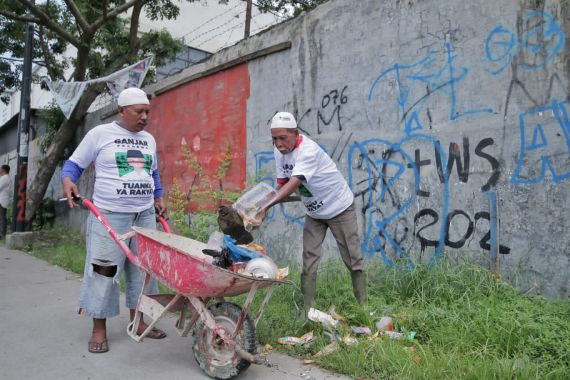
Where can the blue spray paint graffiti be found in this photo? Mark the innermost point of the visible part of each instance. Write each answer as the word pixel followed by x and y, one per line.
pixel 379 215
pixel 537 46
pixel 388 183
pixel 493 222
pixel 539 141
pixel 426 77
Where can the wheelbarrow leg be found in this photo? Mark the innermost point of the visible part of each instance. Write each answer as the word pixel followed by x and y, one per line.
pixel 181 326
pixel 150 307
pixel 245 309
pixel 263 304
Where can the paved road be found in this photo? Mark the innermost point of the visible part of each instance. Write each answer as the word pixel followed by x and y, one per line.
pixel 41 337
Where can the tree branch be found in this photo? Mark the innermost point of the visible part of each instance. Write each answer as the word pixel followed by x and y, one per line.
pixel 114 12
pixel 133 32
pixel 78 16
pixel 14 16
pixel 49 59
pixel 50 24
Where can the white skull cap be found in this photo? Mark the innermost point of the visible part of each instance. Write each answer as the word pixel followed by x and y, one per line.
pixel 132 95
pixel 283 120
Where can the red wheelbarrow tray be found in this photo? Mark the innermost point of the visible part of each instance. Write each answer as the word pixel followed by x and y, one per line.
pixel 179 263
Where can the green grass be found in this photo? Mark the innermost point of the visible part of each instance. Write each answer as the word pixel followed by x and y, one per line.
pixel 469 323
pixel 61 247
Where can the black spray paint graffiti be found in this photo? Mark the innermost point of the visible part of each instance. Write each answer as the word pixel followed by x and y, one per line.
pixel 462 167
pixel 424 215
pixel 334 101
pixel 389 181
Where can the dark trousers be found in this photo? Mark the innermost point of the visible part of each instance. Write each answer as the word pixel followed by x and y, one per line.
pixel 3 222
pixel 344 228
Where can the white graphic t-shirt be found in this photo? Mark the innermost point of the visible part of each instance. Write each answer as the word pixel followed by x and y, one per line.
pixel 124 162
pixel 324 191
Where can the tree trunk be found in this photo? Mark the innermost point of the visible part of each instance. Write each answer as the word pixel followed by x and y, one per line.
pixel 55 153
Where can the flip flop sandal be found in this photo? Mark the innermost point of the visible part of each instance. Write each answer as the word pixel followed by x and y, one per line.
pixel 156 334
pixel 102 344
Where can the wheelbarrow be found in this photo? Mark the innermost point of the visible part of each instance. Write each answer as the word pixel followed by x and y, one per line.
pixel 225 341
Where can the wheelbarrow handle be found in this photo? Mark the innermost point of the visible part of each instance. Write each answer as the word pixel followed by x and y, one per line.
pixel 163 222
pixel 121 243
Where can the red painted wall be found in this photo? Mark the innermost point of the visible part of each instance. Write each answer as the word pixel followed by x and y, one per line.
pixel 207 114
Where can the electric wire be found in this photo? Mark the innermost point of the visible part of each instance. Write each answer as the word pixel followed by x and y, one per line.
pixel 217 27
pixel 210 20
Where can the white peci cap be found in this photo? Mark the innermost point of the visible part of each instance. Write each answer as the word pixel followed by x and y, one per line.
pixel 132 95
pixel 283 120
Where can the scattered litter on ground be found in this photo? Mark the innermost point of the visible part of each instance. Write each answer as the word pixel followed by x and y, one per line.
pixel 297 341
pixel 385 324
pixel 307 376
pixel 326 319
pixel 361 330
pixel 398 335
pixel 332 336
pixel 349 340
pixel 337 316
pixel 328 349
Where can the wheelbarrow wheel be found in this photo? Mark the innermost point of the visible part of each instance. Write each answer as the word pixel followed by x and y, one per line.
pixel 215 358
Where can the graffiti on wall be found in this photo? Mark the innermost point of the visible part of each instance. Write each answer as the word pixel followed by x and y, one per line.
pixel 410 191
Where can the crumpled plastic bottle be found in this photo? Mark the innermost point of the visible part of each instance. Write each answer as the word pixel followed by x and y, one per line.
pixel 385 324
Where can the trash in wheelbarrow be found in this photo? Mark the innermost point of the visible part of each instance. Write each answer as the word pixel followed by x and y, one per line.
pixel 249 259
pixel 231 223
pixel 261 267
pixel 251 204
pixel 222 258
pixel 229 252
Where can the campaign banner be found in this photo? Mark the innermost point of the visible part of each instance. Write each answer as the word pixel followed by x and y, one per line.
pixel 131 76
pixel 67 94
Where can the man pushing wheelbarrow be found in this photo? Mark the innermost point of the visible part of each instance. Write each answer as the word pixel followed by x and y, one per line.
pixel 121 236
pixel 125 203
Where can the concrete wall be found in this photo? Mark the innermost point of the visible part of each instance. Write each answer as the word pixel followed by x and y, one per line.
pixel 448 119
pixel 204 119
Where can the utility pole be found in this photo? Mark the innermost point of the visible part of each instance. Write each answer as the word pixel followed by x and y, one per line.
pixel 247 18
pixel 20 184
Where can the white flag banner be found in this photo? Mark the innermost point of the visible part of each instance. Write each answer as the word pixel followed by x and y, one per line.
pixel 67 94
pixel 131 76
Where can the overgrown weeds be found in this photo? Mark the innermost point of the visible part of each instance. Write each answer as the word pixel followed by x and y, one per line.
pixel 469 323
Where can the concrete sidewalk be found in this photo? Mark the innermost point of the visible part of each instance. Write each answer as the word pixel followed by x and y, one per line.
pixel 43 338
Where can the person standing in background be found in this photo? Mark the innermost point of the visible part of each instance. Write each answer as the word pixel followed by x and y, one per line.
pixel 4 198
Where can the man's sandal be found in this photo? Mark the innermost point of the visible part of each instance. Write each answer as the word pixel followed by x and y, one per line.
pixel 156 334
pixel 98 346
